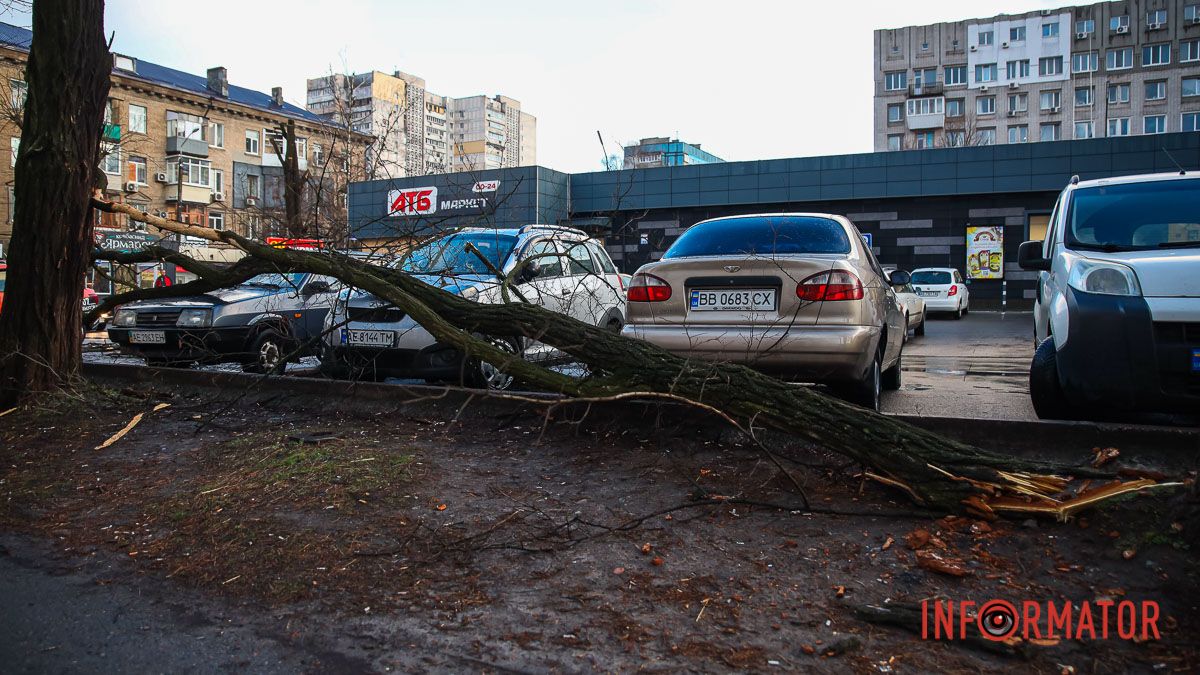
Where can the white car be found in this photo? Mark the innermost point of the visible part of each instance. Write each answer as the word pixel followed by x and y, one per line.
pixel 564 271
pixel 1117 311
pixel 943 290
pixel 912 304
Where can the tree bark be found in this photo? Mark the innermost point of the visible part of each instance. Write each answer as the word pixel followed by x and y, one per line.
pixel 56 171
pixel 293 183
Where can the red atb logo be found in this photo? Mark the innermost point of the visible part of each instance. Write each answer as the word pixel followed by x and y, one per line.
pixel 412 202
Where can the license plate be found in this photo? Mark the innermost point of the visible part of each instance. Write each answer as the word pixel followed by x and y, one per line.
pixel 743 299
pixel 370 338
pixel 1196 360
pixel 148 337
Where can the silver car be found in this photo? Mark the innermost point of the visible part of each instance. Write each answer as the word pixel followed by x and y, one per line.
pixel 794 294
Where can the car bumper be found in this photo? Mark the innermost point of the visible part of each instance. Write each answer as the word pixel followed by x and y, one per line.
pixel 200 344
pixel 950 304
pixel 1117 356
pixel 808 353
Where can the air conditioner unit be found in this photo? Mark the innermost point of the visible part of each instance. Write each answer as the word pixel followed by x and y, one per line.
pixel 251 201
pixel 983 88
pixel 974 48
pixel 1121 30
pixel 130 186
pixel 1013 85
pixel 1004 45
pixel 1047 12
pixel 162 214
pixel 1154 26
pixel 161 177
pixel 1012 113
pixel 1195 20
pixel 1082 36
pixel 218 196
pixel 1055 110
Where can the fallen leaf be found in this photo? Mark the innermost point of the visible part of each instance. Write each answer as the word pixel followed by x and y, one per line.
pixel 935 562
pixel 618 570
pixel 1128 553
pixel 916 539
pixel 888 544
pixel 841 591
pixel 808 649
pixel 658 561
pixel 1100 457
pixel 441 507
pixel 646 548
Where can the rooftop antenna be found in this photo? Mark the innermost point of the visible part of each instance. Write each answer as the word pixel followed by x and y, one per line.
pixel 1177 164
pixel 604 152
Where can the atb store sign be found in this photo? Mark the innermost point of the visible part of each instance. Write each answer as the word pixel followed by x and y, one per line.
pixel 420 201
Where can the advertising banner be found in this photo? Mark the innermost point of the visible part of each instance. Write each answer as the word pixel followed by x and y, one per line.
pixel 985 252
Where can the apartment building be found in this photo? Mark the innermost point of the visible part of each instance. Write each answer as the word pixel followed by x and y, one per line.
pixel 663 151
pixel 1091 71
pixel 419 132
pixel 191 147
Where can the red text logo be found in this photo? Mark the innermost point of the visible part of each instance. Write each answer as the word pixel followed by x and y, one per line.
pixel 412 202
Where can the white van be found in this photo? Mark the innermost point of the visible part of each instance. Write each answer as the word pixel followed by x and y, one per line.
pixel 1117 313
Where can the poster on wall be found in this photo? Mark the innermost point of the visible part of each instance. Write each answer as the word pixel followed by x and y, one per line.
pixel 985 252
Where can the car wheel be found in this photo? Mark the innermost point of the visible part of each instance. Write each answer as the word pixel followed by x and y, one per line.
pixel 269 352
pixel 866 391
pixel 484 375
pixel 1045 389
pixel 905 338
pixel 614 325
pixel 892 378
pixel 959 313
pixel 920 329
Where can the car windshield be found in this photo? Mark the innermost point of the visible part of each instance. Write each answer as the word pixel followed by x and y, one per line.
pixel 1135 216
pixel 276 280
pixel 763 235
pixel 449 255
pixel 930 277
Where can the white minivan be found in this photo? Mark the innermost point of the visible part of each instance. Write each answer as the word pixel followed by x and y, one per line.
pixel 1117 311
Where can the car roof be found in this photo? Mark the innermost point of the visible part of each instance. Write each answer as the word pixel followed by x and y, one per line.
pixel 799 214
pixel 529 230
pixel 935 269
pixel 1137 178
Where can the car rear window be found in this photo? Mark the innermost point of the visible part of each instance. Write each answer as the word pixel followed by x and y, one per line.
pixel 765 236
pixel 930 277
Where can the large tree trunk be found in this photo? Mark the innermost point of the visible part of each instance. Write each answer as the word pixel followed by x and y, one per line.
pixel 293 184
pixel 56 171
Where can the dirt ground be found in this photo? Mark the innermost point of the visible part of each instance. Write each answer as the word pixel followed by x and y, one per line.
pixel 437 536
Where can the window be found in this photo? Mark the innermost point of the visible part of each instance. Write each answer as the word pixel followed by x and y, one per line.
pixel 924 77
pixel 1154 124
pixel 1118 93
pixel 985 72
pixel 1189 50
pixel 1190 121
pixel 1118 126
pixel 112 159
pixel 184 125
pixel 1156 90
pixel 1085 62
pixel 925 106
pixel 252 185
pixel 987 136
pixel 251 142
pixel 136 170
pixel 1050 30
pixel 1119 59
pixel 1051 131
pixel 924 140
pixel 955 75
pixel 1016 34
pixel 895 142
pixel 216 134
pixel 1017 69
pixel 14 144
pixel 1051 100
pixel 1084 96
pixel 1085 130
pixel 191 170
pixel 956 139
pixel 986 38
pixel 1191 86
pixel 137 119
pixel 985 105
pixel 1157 18
pixel 954 107
pixel 893 81
pixel 1119 22
pixel 1191 13
pixel 218 180
pixel 1050 65
pixel 1085 26
pixel 318 154
pixel 19 93
pixel 1018 134
pixel 1156 55
pixel 216 220
pixel 1018 102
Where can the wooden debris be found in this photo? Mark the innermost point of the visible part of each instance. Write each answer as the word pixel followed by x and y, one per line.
pixel 129 427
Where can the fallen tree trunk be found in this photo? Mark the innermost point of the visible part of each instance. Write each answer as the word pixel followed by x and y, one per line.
pixel 933 470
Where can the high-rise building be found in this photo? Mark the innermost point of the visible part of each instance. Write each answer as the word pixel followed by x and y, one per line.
pixel 663 151
pixel 418 132
pixel 1090 71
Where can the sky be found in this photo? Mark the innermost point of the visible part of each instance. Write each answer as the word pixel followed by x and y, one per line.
pixel 748 80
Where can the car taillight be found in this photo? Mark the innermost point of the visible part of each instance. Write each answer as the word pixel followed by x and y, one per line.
pixel 648 288
pixel 830 286
pixel 953 290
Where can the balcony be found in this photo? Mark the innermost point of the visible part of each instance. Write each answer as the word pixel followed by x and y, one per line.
pixel 190 145
pixel 931 89
pixel 112 132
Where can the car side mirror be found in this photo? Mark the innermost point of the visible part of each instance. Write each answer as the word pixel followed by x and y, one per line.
pixel 1029 257
pixel 899 278
pixel 529 272
pixel 314 287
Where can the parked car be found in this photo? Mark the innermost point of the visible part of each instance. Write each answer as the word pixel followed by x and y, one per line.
pixel 798 295
pixel 943 290
pixel 911 302
pixel 90 297
pixel 563 271
pixel 1117 311
pixel 260 324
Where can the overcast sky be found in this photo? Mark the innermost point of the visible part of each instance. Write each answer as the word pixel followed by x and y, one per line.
pixel 748 79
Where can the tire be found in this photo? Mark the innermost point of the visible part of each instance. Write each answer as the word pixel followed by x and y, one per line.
pixel 615 325
pixel 958 314
pixel 866 391
pixel 919 331
pixel 905 338
pixel 483 375
pixel 893 378
pixel 268 352
pixel 1045 387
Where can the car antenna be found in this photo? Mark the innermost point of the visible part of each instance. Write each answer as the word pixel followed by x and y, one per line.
pixel 1177 164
